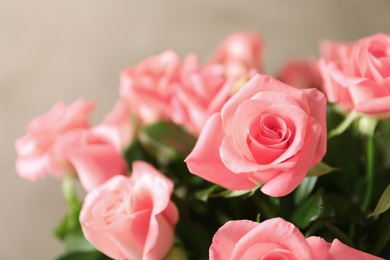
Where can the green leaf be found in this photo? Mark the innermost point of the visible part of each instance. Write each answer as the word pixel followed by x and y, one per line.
pixel 320 169
pixel 77 247
pixel 215 191
pixel 235 193
pixel 314 208
pixel 204 195
pixel 344 124
pixel 383 204
pixel 166 141
pixel 304 189
pixel 136 152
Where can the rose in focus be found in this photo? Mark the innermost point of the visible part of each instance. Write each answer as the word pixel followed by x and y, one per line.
pixel 268 133
pixel 275 239
pixel 357 75
pixel 131 217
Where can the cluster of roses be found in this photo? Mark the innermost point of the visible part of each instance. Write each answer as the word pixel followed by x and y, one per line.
pixel 252 131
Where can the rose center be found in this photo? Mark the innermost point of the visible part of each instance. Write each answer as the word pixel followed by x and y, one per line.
pixel 115 206
pixel 269 135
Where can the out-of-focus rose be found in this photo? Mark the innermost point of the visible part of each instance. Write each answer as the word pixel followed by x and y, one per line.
pixel 301 74
pixel 323 250
pixel 117 126
pixel 357 75
pixel 38 155
pixel 147 87
pixel 201 92
pixel 93 157
pixel 240 53
pixel 267 133
pixel 131 217
pixel 270 239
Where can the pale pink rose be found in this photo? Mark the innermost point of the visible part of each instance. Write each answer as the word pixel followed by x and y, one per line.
pixel 240 53
pixel 94 158
pixel 38 155
pixel 118 126
pixel 270 239
pixel 147 87
pixel 268 133
pixel 301 74
pixel 201 92
pixel 131 217
pixel 357 75
pixel 336 250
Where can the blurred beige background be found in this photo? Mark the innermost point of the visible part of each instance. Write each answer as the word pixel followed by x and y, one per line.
pixel 62 50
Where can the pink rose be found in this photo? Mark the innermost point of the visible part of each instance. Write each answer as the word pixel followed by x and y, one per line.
pixel 301 74
pixel 323 250
pixel 267 133
pixel 131 217
pixel 148 86
pixel 240 53
pixel 93 157
pixel 276 239
pixel 201 92
pixel 117 126
pixel 38 153
pixel 357 75
pixel 270 239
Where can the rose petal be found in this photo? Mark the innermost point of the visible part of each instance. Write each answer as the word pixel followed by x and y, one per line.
pixel 275 231
pixel 205 161
pixel 319 247
pixel 227 236
pixel 258 83
pixel 287 181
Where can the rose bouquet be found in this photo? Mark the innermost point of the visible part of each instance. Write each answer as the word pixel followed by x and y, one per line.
pixel 216 160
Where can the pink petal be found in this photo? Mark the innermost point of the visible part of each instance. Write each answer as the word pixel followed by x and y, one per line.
pixel 227 236
pixel 319 248
pixel 205 161
pixel 317 104
pixel 376 106
pixel 288 180
pixel 258 83
pixel 234 160
pixel 275 231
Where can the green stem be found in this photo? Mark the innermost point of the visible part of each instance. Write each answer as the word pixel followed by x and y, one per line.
pixel 370 167
pixel 343 125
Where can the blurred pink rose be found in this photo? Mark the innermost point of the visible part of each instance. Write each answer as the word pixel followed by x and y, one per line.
pixel 131 217
pixel 323 250
pixel 147 87
pixel 240 53
pixel 117 126
pixel 93 157
pixel 38 154
pixel 201 92
pixel 301 74
pixel 270 239
pixel 357 75
pixel 267 133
